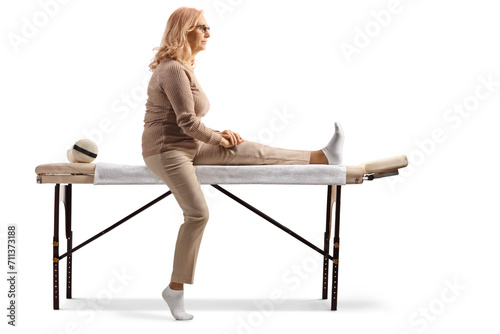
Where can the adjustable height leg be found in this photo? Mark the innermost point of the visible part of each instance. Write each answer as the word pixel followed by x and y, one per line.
pixel 55 248
pixel 336 246
pixel 69 239
pixel 69 267
pixel 329 201
pixel 61 194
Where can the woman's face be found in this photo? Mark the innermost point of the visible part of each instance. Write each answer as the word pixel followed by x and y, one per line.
pixel 197 38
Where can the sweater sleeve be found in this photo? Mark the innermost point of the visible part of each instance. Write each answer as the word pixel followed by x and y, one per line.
pixel 177 87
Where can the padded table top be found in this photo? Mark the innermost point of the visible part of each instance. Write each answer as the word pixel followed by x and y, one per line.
pixel 114 174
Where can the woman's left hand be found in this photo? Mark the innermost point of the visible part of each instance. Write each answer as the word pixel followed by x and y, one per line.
pixel 233 137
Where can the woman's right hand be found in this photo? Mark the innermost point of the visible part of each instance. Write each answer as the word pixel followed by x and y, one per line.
pixel 230 139
pixel 225 143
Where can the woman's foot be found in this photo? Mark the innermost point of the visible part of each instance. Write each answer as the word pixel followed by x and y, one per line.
pixel 175 301
pixel 333 151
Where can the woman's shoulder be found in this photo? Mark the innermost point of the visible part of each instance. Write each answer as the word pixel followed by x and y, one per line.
pixel 171 65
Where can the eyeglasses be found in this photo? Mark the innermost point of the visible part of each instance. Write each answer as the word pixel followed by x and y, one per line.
pixel 204 28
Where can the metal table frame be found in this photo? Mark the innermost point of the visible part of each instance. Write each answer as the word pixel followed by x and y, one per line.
pixel 63 193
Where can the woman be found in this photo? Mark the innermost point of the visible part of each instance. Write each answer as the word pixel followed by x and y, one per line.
pixel 175 139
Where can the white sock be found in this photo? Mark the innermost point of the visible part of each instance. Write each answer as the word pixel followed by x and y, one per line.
pixel 333 151
pixel 175 301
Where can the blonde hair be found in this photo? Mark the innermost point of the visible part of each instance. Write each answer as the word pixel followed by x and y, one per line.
pixel 174 43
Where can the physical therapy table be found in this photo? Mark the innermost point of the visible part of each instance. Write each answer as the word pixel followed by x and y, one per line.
pixel 64 175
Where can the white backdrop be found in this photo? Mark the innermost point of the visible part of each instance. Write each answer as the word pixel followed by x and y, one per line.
pixel 418 77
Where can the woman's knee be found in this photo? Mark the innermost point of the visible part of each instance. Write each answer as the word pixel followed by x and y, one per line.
pixel 204 214
pixel 199 214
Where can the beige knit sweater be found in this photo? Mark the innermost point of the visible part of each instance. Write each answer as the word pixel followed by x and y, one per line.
pixel 176 103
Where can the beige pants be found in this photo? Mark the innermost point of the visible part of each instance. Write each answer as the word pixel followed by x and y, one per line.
pixel 175 168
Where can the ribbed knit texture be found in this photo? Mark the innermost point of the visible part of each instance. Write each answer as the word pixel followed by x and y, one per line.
pixel 176 103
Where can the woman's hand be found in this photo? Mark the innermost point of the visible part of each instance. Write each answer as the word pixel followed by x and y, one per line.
pixel 230 139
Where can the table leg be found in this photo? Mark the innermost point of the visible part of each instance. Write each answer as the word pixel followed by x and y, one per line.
pixel 336 245
pixel 55 250
pixel 69 238
pixel 329 201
